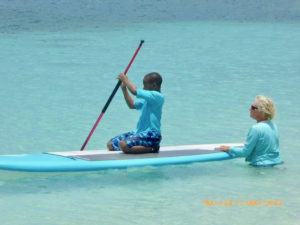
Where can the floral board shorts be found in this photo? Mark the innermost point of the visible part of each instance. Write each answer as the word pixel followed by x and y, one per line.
pixel 147 139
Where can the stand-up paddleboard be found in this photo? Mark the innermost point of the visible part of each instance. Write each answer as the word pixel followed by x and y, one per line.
pixel 103 159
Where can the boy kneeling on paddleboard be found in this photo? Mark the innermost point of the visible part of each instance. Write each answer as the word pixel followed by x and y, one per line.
pixel 147 136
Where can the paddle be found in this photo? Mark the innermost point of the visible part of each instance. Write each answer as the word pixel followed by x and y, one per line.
pixel 110 98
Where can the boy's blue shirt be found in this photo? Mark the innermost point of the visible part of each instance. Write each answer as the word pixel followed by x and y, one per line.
pixel 150 104
pixel 262 145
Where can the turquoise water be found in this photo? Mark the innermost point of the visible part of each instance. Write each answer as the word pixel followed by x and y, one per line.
pixel 55 77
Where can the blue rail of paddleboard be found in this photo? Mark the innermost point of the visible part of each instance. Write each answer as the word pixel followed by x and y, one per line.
pixel 54 163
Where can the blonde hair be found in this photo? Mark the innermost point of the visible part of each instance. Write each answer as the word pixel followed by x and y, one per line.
pixel 266 106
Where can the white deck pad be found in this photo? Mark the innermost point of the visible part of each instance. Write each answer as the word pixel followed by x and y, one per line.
pixel 170 151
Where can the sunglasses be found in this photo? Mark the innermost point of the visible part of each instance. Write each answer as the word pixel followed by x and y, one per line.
pixel 253 107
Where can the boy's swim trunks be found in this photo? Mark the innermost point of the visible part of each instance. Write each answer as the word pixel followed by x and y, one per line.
pixel 147 139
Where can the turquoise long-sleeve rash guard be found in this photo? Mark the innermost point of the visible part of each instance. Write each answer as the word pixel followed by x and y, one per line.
pixel 150 104
pixel 262 145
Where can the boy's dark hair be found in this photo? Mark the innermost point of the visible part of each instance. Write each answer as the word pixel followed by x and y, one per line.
pixel 154 77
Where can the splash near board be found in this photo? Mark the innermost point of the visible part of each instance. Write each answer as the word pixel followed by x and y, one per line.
pixel 103 159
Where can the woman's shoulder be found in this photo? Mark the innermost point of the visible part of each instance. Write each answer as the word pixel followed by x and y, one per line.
pixel 267 124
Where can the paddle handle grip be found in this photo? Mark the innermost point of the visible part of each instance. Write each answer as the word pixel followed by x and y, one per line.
pixel 119 82
pixel 110 98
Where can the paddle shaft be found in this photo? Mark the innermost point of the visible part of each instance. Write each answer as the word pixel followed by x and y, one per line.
pixel 110 98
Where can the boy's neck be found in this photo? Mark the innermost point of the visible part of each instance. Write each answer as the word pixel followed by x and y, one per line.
pixel 155 90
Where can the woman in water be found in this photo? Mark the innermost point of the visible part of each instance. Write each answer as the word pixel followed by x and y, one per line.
pixel 262 144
